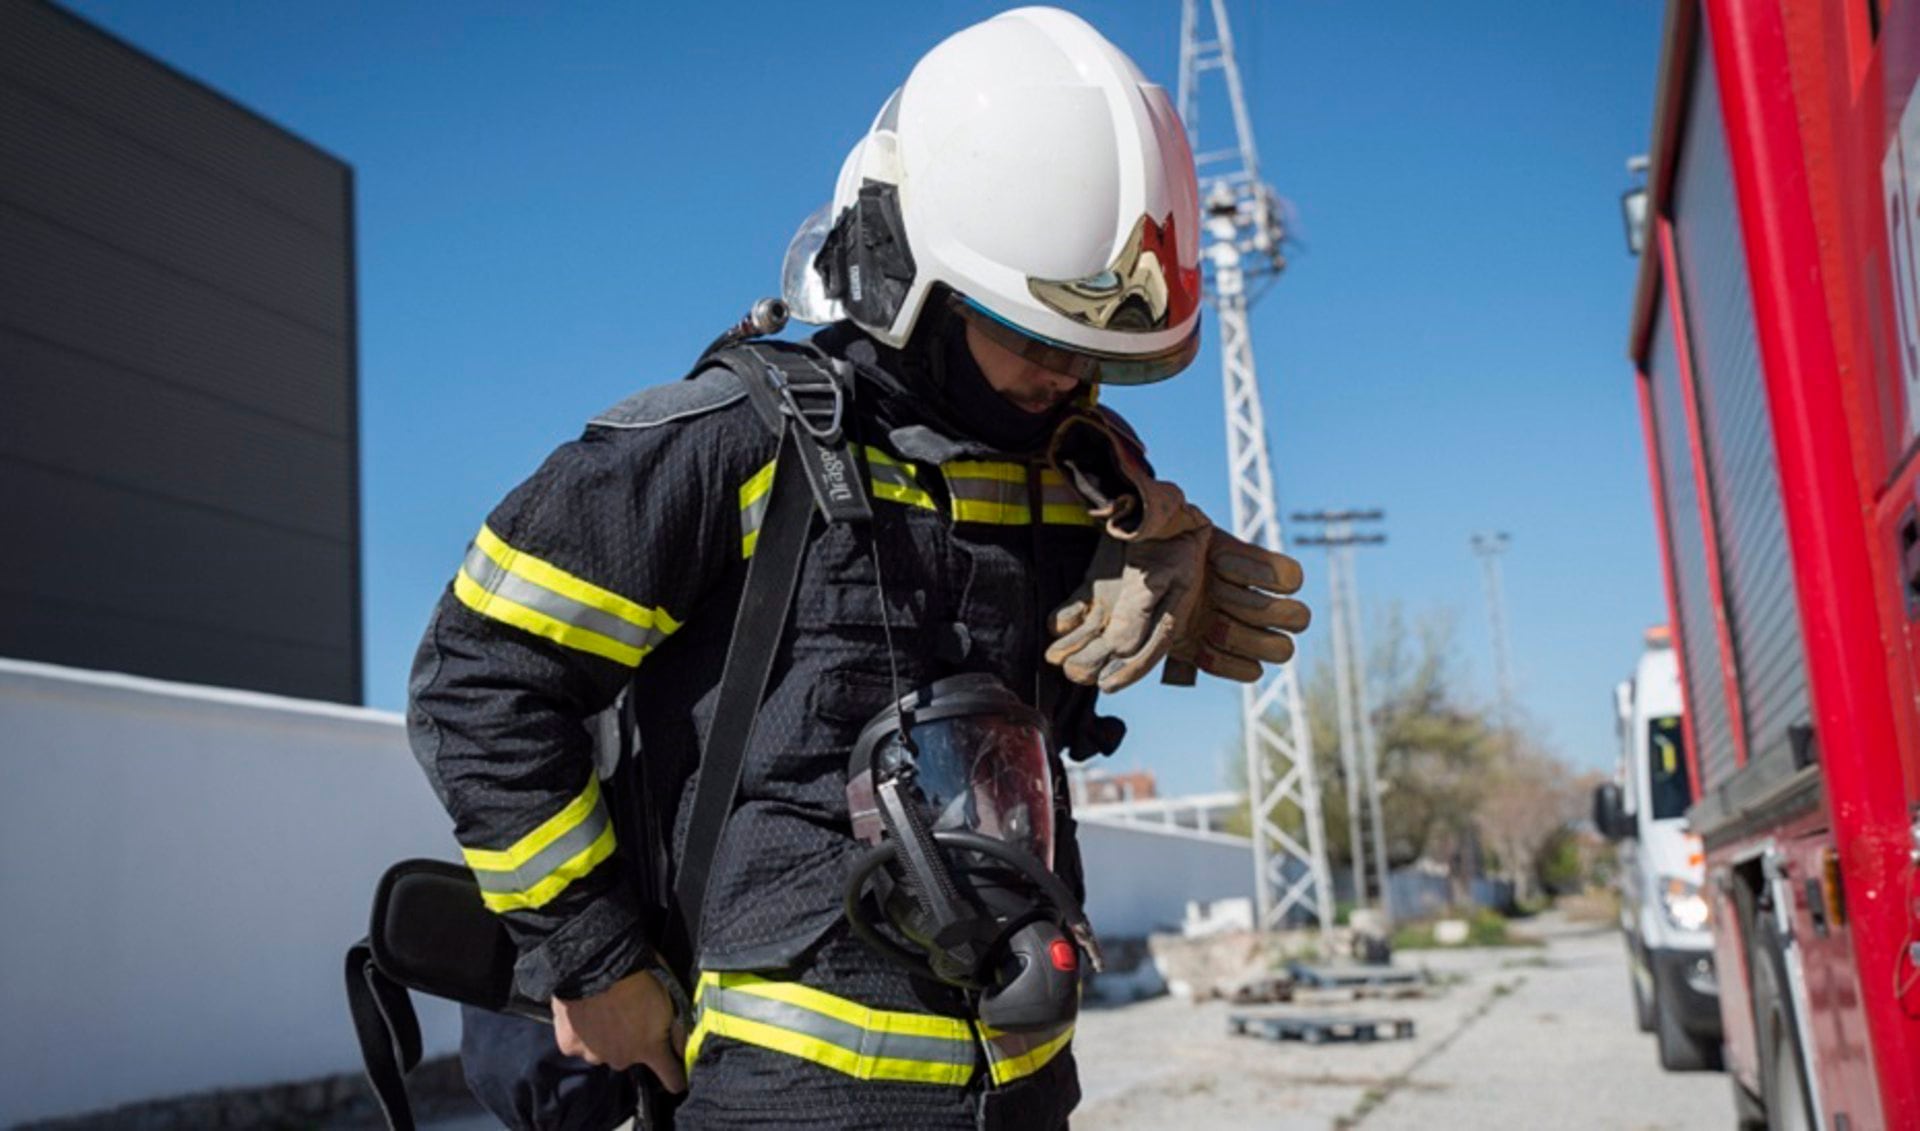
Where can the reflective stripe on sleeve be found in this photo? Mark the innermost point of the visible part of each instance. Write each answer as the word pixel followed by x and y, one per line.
pixel 800 1021
pixel 754 497
pixel 539 866
pixel 1011 1056
pixel 508 585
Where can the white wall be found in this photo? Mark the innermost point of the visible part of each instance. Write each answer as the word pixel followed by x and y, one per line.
pixel 1141 875
pixel 181 871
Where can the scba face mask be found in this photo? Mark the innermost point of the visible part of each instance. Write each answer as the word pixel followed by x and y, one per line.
pixel 952 787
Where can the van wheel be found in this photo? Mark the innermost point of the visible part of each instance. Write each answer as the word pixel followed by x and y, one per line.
pixel 1783 1084
pixel 1681 1051
pixel 1643 1004
pixel 1748 1112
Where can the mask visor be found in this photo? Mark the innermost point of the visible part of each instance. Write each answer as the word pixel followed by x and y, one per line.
pixel 985 774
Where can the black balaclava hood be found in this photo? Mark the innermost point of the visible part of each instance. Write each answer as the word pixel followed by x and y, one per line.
pixel 935 381
pixel 987 416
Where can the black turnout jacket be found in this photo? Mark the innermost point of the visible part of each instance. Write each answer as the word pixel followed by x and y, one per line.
pixel 618 566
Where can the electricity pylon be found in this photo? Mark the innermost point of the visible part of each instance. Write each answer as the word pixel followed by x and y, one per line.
pixel 1242 240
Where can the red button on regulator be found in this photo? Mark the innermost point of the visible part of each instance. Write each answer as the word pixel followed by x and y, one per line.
pixel 1062 953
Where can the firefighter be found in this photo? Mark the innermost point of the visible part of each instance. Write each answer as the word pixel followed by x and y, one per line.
pixel 1018 226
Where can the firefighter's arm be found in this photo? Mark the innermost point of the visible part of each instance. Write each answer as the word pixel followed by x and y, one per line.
pixel 1165 583
pixel 573 582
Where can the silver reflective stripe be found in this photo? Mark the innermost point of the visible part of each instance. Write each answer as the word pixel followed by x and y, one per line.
pixel 487 574
pixel 988 490
pixel 980 499
pixel 543 863
pixel 888 473
pixel 753 514
pixel 866 1042
pixel 1061 493
pixel 1004 1047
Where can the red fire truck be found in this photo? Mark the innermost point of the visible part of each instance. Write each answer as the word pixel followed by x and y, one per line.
pixel 1776 335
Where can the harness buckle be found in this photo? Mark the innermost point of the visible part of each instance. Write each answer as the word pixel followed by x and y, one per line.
pixel 819 408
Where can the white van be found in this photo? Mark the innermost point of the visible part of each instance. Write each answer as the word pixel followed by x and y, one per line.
pixel 1663 911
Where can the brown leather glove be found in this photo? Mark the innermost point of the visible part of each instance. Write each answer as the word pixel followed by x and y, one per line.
pixel 1139 597
pixel 1242 621
pixel 1165 583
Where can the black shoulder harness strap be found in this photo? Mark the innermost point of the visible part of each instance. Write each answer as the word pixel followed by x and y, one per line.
pixel 804 402
pixel 429 930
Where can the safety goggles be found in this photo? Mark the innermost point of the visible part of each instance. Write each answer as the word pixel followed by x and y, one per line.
pixel 1077 362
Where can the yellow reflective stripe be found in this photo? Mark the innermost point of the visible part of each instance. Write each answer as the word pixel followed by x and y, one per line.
pixel 1027 1063
pixel 542 893
pixel 1066 514
pixel 840 1009
pixel 495 607
pixel 694 1040
pixel 1072 511
pixel 884 474
pixel 875 455
pixel 824 1053
pixel 909 496
pixel 990 510
pixel 991 491
pixel 753 507
pixel 552 577
pixel 548 831
pixel 759 484
pixel 985 469
pixel 801 1021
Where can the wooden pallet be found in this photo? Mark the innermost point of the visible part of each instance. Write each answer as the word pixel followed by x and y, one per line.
pixel 1353 977
pixel 1320 1030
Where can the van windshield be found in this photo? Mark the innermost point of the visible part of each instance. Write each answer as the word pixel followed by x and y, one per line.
pixel 1667 785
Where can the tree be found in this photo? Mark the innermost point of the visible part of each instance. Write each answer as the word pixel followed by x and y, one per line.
pixel 1527 801
pixel 1451 781
pixel 1433 746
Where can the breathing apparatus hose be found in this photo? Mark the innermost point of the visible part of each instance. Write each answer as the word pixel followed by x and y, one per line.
pixel 768 316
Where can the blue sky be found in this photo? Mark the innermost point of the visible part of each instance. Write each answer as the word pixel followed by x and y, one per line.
pixel 560 203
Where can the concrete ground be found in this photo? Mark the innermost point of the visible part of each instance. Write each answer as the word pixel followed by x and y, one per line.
pixel 1521 1037
pixel 1517 1037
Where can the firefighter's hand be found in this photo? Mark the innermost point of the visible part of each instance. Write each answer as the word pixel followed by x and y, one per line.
pixel 1139 598
pixel 1243 621
pixel 630 1022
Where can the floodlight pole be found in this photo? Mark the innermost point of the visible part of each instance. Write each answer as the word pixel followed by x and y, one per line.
pixel 1488 547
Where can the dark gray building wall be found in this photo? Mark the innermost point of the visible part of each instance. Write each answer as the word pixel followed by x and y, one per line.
pixel 179 452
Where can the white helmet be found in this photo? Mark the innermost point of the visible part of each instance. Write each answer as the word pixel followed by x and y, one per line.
pixel 1028 175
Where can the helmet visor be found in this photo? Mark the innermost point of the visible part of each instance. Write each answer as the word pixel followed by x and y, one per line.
pixel 985 774
pixel 801 286
pixel 1074 361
